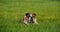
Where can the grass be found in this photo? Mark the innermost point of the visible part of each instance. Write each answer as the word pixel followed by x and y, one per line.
pixel 12 11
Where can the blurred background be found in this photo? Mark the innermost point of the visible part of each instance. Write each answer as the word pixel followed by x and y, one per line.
pixel 12 12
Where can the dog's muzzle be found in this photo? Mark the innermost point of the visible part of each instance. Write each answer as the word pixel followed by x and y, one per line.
pixel 31 20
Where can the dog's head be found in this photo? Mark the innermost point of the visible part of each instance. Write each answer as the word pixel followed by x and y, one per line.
pixel 31 16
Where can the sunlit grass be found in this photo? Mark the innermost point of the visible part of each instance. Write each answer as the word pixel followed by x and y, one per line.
pixel 12 12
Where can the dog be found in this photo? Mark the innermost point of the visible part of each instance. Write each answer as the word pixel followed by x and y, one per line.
pixel 30 18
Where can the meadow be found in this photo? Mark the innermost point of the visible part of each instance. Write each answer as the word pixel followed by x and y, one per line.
pixel 12 12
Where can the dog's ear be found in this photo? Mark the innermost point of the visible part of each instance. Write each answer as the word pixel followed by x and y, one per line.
pixel 27 14
pixel 34 15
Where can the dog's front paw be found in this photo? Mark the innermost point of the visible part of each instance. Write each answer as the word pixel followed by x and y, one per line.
pixel 35 23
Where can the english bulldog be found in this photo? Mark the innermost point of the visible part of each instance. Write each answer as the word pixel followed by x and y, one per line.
pixel 30 18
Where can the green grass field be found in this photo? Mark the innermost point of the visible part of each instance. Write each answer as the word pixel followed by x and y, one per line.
pixel 12 11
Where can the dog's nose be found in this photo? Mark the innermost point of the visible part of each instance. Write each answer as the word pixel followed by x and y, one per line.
pixel 31 19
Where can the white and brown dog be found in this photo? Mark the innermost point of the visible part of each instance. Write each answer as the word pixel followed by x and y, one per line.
pixel 30 18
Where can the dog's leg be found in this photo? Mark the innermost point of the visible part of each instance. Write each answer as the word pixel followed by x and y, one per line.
pixel 25 20
pixel 35 21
